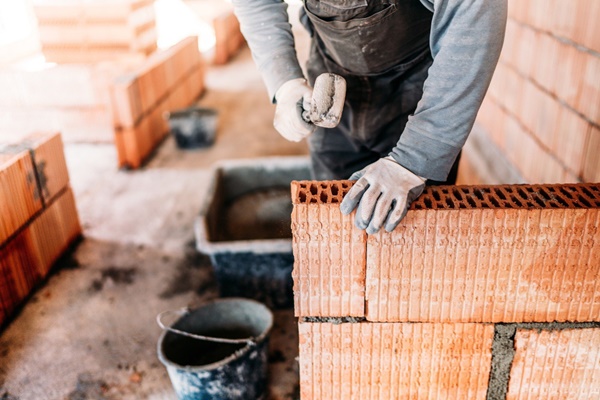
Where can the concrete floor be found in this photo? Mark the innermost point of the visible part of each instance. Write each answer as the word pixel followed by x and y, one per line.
pixel 89 331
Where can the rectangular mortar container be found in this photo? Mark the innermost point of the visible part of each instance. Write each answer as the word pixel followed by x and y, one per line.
pixel 245 227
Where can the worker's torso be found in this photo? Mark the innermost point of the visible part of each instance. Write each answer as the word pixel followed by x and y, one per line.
pixel 367 37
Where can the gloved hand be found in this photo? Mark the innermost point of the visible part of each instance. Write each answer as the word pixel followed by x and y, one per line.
pixel 383 194
pixel 293 98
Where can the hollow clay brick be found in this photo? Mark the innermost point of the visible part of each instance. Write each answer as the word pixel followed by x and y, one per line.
pixel 560 364
pixel 55 229
pixel 329 253
pixel 27 258
pixel 523 253
pixel 19 193
pixel 591 166
pixel 20 267
pixel 512 253
pixel 394 361
pixel 48 154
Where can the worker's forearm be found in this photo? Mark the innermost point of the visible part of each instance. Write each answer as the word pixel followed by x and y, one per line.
pixel 266 27
pixel 466 40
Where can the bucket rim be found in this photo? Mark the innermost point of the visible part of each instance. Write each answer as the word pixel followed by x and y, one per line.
pixel 237 354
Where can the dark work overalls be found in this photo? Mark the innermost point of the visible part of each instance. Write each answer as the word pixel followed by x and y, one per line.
pixel 381 48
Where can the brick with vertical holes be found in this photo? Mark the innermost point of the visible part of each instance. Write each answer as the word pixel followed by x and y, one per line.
pixel 394 361
pixel 20 197
pixel 523 253
pixel 559 364
pixel 329 252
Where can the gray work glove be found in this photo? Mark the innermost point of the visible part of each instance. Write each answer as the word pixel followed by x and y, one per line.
pixel 293 98
pixel 383 194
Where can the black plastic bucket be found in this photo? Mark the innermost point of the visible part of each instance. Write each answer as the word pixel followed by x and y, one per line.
pixel 218 351
pixel 193 127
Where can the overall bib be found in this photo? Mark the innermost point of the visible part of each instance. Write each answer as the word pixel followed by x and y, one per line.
pixel 381 48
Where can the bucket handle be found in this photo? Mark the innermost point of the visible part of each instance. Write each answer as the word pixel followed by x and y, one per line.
pixel 183 311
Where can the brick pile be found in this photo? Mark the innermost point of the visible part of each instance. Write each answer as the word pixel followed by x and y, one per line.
pixel 543 106
pixel 166 81
pixel 75 31
pixel 424 311
pixel 38 218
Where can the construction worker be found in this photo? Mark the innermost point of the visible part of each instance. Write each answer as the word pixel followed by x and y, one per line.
pixel 416 72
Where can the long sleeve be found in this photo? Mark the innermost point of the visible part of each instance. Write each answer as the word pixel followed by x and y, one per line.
pixel 466 40
pixel 266 27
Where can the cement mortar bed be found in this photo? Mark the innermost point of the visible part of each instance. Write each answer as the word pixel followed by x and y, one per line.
pixel 244 226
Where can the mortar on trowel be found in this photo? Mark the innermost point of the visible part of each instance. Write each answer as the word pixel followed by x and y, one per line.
pixel 327 102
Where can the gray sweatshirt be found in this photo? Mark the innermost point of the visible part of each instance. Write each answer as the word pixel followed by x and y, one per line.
pixel 466 40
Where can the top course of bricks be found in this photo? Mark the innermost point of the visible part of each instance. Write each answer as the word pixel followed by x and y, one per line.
pixel 563 196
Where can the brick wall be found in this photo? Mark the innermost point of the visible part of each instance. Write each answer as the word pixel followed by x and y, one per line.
pixel 480 292
pixel 543 106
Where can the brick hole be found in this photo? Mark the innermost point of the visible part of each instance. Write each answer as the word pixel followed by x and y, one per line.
pixel 561 201
pixel 303 186
pixel 545 195
pixel 516 201
pixel 334 190
pixel 540 201
pixel 345 185
pixel 499 193
pixel 478 193
pixel 494 201
pixel 566 192
pixel 587 192
pixel 584 201
pixel 522 193
pixel 471 202
pixel 428 203
pixel 450 203
pixel 302 196
pixel 418 206
pixel 324 198
pixel 313 200
pixel 314 190
pixel 436 195
pixel 457 194
pixel 445 190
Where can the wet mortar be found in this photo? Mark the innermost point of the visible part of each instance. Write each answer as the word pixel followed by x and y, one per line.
pixel 260 214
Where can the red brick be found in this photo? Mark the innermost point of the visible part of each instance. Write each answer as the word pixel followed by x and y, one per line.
pixel 27 258
pixel 570 140
pixel 545 68
pixel 560 364
pixel 569 71
pixel 591 164
pixel 19 193
pixel 329 253
pixel 55 229
pixel 394 361
pixel 126 101
pixel 48 154
pixel 20 267
pixel 589 98
pixel 534 261
pixel 592 34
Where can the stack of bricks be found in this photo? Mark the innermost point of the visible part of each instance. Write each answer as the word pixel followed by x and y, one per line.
pixel 168 80
pixel 38 218
pixel 543 106
pixel 89 31
pixel 481 292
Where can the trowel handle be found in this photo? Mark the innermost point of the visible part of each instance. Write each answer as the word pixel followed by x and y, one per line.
pixel 180 313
